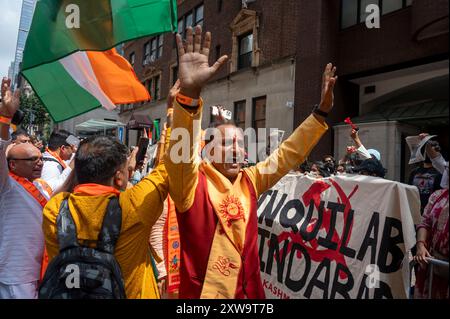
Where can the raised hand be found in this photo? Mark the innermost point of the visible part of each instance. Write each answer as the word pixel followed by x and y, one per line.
pixel 10 102
pixel 328 81
pixel 193 66
pixel 355 136
pixel 132 161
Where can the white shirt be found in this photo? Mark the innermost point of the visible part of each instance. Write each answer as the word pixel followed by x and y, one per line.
pixel 364 152
pixel 21 235
pixel 157 241
pixel 53 173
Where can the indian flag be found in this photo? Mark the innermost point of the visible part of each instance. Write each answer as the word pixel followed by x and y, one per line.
pixel 69 57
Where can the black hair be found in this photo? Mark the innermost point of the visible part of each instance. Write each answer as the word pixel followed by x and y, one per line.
pixel 58 139
pixel 355 159
pixel 98 158
pixel 372 166
pixel 305 167
pixel 18 132
pixel 323 171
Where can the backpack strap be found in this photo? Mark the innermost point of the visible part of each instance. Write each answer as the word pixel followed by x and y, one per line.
pixel 112 224
pixel 67 230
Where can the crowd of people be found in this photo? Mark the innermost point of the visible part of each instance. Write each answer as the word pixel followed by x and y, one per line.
pixel 90 204
pixel 357 160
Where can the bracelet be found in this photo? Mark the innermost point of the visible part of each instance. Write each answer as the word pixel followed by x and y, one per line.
pixel 187 101
pixel 318 111
pixel 5 120
pixel 423 242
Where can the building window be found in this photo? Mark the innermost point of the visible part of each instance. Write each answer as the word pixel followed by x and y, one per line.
pixel 160 45
pixel 146 58
pixel 153 50
pixel 354 11
pixel 181 27
pixel 245 51
pixel 362 8
pixel 153 87
pixel 190 19
pixel 132 58
pixel 348 13
pixel 199 15
pixel 150 87
pixel 259 113
pixel 239 114
pixel 156 51
pixel 391 6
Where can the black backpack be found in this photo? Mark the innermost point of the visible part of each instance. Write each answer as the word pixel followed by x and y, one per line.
pixel 80 272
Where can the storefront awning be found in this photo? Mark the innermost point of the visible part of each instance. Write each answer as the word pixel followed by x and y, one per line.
pixel 98 125
pixel 421 113
pixel 138 121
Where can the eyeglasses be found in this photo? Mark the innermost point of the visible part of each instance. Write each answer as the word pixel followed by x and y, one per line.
pixel 33 159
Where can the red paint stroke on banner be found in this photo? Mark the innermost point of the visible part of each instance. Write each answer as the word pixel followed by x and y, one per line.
pixel 314 193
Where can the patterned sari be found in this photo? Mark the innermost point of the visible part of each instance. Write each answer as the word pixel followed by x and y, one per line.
pixel 435 221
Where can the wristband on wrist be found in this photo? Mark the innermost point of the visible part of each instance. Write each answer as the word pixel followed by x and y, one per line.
pixel 423 242
pixel 187 101
pixel 318 111
pixel 5 120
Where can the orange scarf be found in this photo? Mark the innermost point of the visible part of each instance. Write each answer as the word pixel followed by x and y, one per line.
pixel 172 250
pixel 30 188
pixel 63 164
pixel 92 189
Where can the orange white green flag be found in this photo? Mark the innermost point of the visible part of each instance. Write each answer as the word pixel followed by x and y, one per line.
pixel 70 58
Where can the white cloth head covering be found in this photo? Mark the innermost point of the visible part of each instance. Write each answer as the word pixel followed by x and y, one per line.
pixel 375 153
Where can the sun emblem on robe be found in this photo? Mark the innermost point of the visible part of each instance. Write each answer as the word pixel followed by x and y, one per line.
pixel 231 209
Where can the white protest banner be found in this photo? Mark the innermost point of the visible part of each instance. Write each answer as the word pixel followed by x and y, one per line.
pixel 345 236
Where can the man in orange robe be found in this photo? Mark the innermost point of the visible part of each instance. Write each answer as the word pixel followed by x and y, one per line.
pixel 216 199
